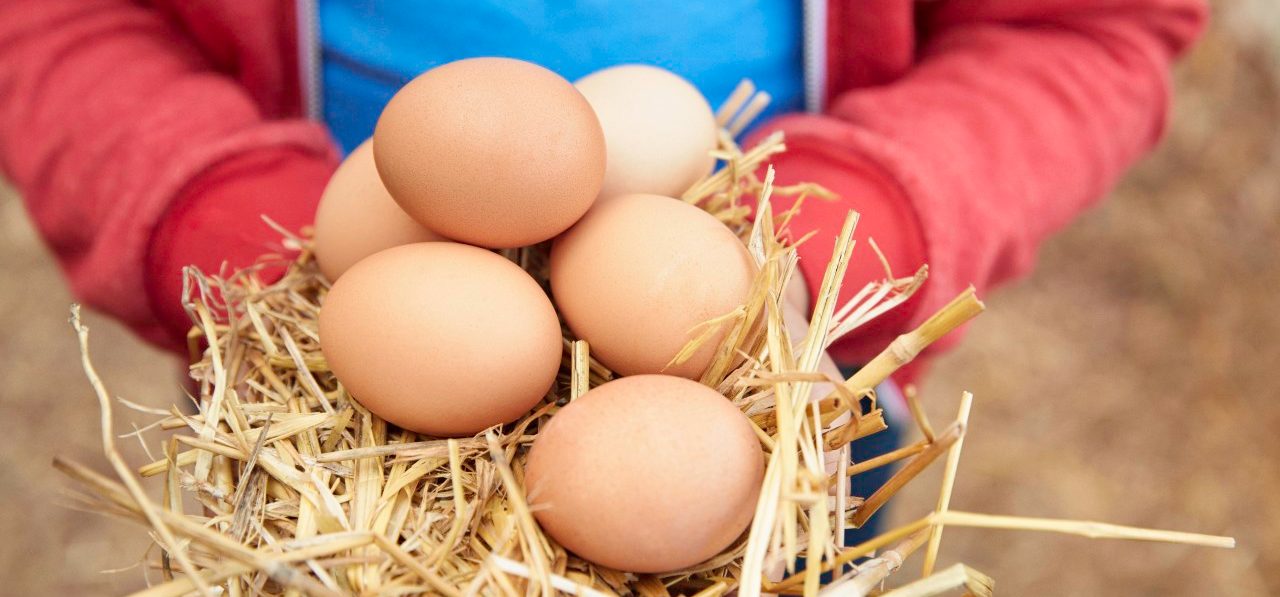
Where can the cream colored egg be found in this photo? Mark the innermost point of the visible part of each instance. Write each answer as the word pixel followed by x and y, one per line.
pixel 658 129
pixel 638 273
pixel 357 217
pixel 649 473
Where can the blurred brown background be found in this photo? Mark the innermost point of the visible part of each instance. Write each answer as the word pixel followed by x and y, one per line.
pixel 1135 378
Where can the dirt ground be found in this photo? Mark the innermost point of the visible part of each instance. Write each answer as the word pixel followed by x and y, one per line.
pixel 1135 378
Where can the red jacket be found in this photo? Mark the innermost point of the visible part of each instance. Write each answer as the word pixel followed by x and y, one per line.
pixel 147 136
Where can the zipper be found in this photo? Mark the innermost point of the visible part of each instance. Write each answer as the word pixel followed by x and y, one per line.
pixel 306 13
pixel 815 54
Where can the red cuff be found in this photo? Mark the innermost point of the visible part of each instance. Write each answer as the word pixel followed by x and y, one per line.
pixel 885 215
pixel 217 219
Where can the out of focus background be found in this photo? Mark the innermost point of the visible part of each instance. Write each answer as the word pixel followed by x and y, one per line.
pixel 1135 378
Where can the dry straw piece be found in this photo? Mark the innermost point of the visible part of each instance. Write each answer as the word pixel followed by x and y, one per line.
pixel 280 484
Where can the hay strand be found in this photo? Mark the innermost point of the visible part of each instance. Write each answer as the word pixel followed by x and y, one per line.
pixel 948 483
pixel 945 581
pixel 136 493
pixel 1081 528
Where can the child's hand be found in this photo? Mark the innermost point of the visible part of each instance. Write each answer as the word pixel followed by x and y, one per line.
pixel 218 219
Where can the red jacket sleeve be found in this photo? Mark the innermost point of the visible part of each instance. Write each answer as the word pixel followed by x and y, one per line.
pixel 1017 116
pixel 108 114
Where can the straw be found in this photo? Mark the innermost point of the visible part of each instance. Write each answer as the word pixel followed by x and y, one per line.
pixel 280 483
pixel 945 581
pixel 948 483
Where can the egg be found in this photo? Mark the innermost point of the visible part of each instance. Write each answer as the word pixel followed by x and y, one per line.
pixel 491 151
pixel 650 473
pixel 639 272
pixel 357 217
pixel 658 129
pixel 441 338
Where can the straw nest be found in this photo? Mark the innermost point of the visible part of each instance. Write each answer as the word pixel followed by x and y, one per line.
pixel 280 483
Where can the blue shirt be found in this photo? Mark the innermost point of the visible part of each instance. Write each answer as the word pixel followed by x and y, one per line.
pixel 370 48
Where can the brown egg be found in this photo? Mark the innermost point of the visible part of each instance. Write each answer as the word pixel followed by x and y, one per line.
pixel 658 129
pixel 651 473
pixel 491 151
pixel 441 338
pixel 639 272
pixel 357 217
